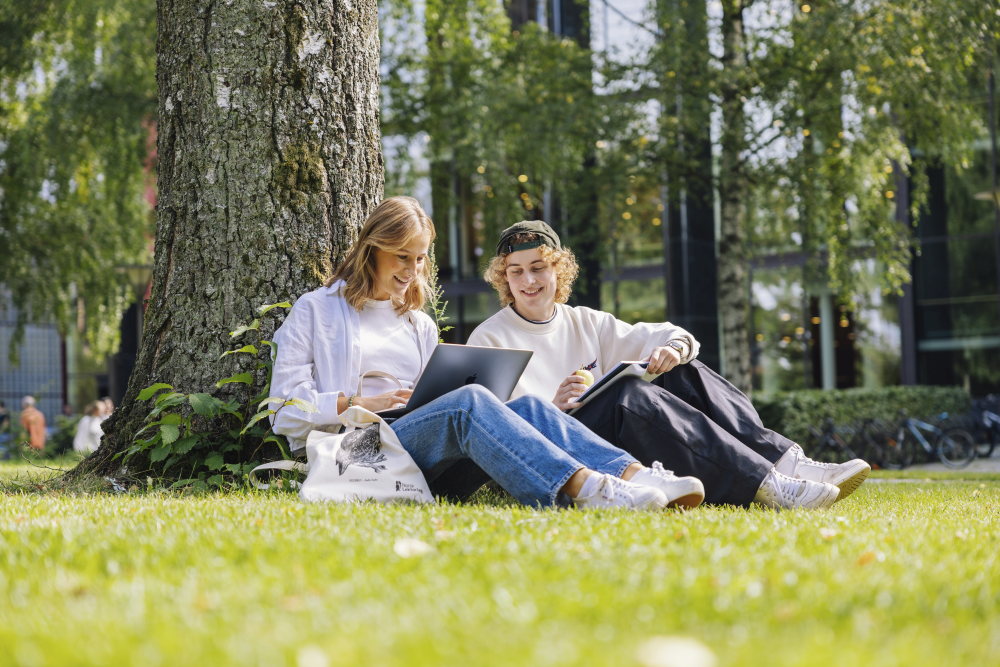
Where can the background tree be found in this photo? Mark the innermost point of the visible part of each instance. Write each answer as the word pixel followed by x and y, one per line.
pixel 77 123
pixel 821 108
pixel 269 161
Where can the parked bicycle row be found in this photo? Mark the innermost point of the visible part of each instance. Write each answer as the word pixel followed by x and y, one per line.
pixel 954 441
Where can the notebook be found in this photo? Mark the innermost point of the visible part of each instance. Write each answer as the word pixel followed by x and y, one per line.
pixel 453 366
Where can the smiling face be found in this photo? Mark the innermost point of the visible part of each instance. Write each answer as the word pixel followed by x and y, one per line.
pixel 532 282
pixel 396 271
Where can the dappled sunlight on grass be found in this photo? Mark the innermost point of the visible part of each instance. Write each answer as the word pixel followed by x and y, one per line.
pixel 898 574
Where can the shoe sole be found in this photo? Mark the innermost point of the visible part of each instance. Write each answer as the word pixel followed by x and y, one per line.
pixel 690 501
pixel 852 480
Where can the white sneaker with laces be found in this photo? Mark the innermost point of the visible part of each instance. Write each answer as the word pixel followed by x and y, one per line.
pixel 680 491
pixel 779 491
pixel 845 476
pixel 609 491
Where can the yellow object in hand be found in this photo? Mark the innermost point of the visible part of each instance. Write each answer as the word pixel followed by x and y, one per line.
pixel 588 377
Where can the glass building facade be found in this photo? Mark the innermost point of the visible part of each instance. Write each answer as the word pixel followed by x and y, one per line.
pixel 660 263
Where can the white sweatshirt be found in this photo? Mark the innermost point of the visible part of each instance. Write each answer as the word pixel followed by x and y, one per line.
pixel 575 338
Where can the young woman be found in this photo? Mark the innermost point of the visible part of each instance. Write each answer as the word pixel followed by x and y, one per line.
pixel 368 318
pixel 689 417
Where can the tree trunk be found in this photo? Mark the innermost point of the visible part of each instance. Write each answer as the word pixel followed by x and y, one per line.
pixel 269 161
pixel 734 289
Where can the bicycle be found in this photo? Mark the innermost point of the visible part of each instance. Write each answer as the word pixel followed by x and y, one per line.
pixel 868 439
pixel 954 447
pixel 989 424
pixel 828 446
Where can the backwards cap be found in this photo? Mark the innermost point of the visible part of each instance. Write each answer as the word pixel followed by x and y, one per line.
pixel 546 236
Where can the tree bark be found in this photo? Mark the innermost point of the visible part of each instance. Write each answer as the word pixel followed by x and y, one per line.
pixel 269 161
pixel 734 288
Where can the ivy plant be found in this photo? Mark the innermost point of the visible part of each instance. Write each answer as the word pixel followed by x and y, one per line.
pixel 210 441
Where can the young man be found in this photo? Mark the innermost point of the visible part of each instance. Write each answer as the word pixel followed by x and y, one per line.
pixel 689 417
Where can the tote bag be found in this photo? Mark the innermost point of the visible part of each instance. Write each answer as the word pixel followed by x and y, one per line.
pixel 365 461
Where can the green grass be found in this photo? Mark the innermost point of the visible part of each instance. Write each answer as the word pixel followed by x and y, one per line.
pixel 898 574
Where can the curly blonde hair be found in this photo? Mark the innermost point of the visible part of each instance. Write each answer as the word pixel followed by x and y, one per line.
pixel 391 226
pixel 563 261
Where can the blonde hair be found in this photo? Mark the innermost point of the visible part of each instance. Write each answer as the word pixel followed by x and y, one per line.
pixel 563 262
pixel 391 226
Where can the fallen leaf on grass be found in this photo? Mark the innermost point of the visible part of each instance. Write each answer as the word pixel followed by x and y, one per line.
pixel 311 656
pixel 409 547
pixel 672 651
pixel 870 557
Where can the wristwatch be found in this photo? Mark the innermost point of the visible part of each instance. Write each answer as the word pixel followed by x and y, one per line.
pixel 677 345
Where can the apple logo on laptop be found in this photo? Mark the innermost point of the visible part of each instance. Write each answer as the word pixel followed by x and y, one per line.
pixel 471 379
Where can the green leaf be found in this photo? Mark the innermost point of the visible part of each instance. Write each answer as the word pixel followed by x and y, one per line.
pixel 269 400
pixel 148 392
pixel 204 404
pixel 249 349
pixel 169 433
pixel 270 344
pixel 170 399
pixel 304 406
pixel 242 378
pixel 159 454
pixel 214 461
pixel 256 418
pixel 270 306
pixel 185 444
pixel 253 326
pixel 216 480
pixel 172 418
pixel 144 428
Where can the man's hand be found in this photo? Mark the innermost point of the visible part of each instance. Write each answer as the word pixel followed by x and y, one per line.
pixel 571 389
pixel 662 360
pixel 386 401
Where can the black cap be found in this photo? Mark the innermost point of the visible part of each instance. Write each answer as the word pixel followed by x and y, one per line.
pixel 546 236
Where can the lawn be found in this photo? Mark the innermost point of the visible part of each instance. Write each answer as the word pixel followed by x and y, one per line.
pixel 900 573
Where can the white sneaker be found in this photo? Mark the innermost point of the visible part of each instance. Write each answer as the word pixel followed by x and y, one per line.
pixel 780 491
pixel 610 491
pixel 845 476
pixel 680 491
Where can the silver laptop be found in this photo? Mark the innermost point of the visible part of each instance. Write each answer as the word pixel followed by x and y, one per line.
pixel 453 366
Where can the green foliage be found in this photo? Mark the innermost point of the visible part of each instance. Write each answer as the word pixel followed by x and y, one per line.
pixel 509 115
pixel 77 118
pixel 438 306
pixel 207 441
pixel 837 101
pixel 793 413
pixel 896 575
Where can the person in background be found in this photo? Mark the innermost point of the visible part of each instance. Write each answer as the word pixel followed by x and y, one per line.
pixel 689 417
pixel 88 429
pixel 4 423
pixel 33 422
pixel 369 317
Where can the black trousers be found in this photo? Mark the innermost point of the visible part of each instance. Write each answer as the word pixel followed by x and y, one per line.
pixel 694 422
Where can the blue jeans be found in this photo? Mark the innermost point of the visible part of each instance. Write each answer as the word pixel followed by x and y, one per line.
pixel 528 446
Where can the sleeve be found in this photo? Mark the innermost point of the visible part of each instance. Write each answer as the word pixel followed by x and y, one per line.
pixel 622 341
pixel 293 377
pixel 427 332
